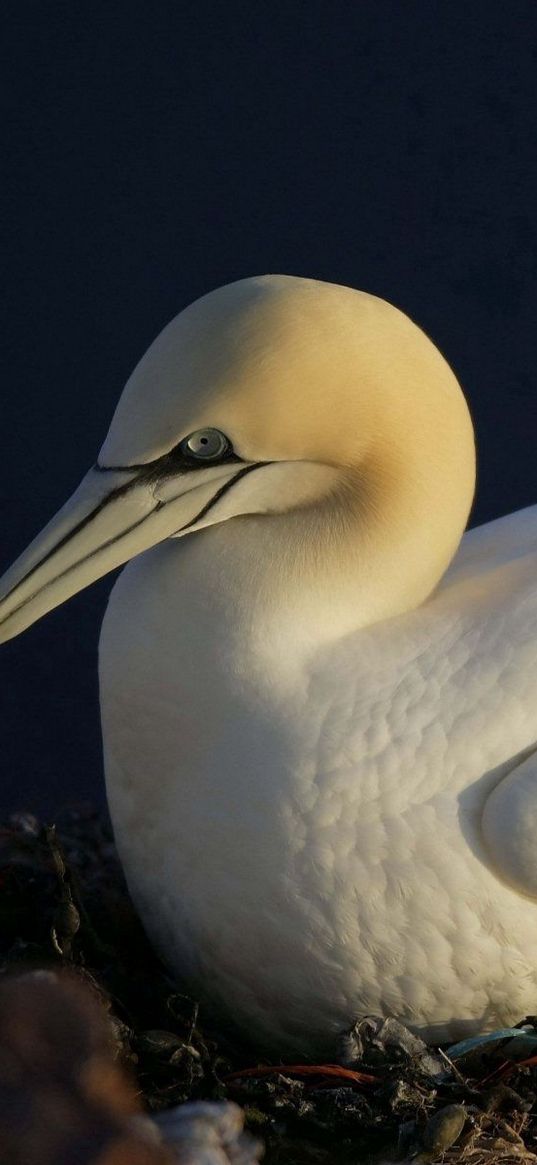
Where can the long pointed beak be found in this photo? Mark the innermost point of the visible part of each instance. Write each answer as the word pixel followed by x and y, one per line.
pixel 113 516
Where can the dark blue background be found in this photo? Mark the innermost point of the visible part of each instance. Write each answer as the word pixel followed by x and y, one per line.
pixel 157 150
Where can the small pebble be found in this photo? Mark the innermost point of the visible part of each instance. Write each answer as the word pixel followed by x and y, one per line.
pixel 442 1129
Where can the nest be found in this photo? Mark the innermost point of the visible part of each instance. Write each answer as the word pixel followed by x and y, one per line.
pixel 64 907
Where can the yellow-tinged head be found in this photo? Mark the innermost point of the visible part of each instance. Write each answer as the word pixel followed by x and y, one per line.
pixel 269 396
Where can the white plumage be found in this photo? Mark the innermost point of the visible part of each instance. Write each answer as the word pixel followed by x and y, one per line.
pixel 321 760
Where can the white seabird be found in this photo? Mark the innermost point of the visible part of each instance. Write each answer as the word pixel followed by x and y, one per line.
pixel 320 747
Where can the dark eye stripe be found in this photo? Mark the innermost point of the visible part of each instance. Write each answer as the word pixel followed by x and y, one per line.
pixel 178 460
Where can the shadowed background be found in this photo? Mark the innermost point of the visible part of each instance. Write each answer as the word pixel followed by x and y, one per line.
pixel 153 151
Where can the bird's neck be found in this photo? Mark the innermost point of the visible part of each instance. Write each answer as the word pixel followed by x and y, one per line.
pixel 287 583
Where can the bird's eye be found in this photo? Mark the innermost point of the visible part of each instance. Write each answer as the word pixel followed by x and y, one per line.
pixel 205 445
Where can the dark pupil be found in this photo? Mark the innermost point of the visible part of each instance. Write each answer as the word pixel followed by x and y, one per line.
pixel 204 440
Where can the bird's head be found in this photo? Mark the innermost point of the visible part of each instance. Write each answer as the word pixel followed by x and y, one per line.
pixel 263 397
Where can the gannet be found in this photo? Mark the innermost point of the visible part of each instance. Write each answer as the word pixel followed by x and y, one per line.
pixel 319 705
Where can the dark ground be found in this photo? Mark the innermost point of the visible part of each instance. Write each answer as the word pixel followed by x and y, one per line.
pixel 64 906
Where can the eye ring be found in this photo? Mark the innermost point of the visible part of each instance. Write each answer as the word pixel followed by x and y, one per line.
pixel 205 445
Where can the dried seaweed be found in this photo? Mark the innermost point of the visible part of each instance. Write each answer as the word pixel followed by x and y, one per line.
pixel 386 1097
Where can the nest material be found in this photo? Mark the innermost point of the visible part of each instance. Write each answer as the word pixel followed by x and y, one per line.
pixel 64 906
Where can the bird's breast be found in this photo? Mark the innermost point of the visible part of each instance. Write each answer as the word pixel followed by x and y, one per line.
pixel 306 840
